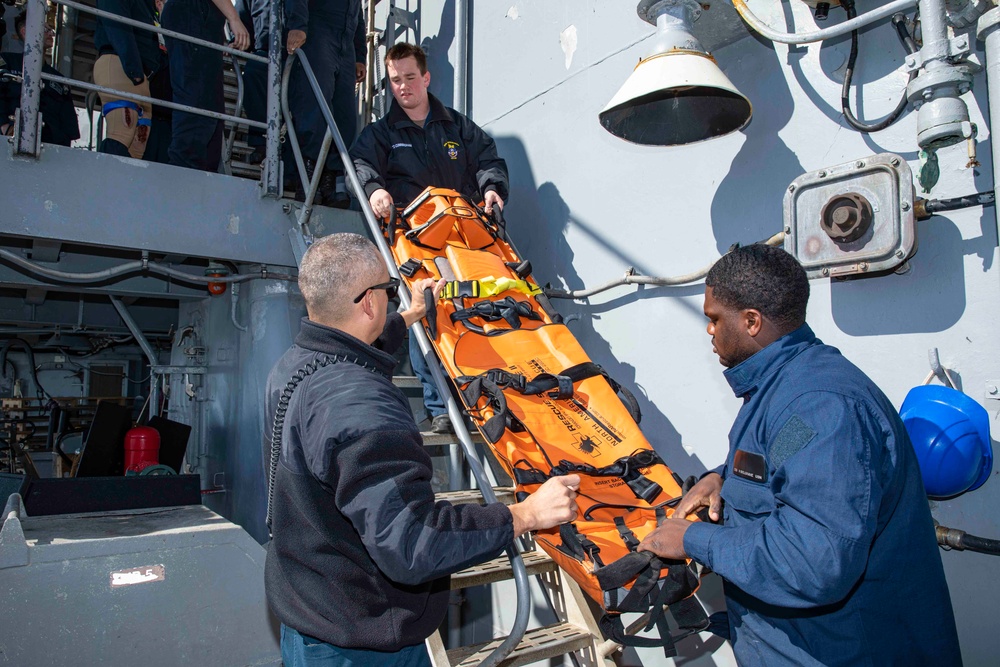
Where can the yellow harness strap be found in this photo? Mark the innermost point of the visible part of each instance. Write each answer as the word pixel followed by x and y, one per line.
pixel 488 286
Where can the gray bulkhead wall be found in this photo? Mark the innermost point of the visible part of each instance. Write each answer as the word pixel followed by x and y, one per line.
pixel 226 411
pixel 585 206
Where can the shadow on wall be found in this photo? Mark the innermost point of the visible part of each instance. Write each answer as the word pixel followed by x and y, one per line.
pixel 748 203
pixel 436 47
pixel 538 219
pixel 930 298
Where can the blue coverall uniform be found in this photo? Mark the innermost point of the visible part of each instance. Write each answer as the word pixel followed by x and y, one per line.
pixel 827 547
pixel 196 79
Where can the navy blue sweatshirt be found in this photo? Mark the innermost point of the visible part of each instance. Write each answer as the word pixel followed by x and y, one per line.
pixel 360 551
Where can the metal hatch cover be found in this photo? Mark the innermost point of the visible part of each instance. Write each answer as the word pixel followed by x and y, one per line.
pixel 852 218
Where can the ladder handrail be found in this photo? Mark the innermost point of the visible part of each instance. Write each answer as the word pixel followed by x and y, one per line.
pixel 162 31
pixel 417 331
pixel 27 133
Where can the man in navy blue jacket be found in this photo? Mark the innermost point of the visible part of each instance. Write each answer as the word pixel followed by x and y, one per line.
pixel 357 567
pixel 418 144
pixel 826 546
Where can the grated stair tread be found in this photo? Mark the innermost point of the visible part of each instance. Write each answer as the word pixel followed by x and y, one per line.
pixel 406 381
pixel 432 439
pixel 538 644
pixel 504 494
pixel 499 569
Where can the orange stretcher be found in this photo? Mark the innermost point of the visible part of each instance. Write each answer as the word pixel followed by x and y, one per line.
pixel 546 409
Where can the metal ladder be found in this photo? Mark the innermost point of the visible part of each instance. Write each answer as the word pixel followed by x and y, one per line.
pixel 576 630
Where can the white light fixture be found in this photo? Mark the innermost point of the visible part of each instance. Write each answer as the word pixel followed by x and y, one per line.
pixel 678 95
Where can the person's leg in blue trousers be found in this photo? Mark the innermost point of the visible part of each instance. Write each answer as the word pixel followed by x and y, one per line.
pixel 342 104
pixel 196 79
pixel 433 402
pixel 321 48
pixel 298 650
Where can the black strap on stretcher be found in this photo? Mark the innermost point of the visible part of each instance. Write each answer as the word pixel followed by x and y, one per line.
pixel 431 316
pixel 651 592
pixel 521 269
pixel 508 309
pixel 557 386
pixel 626 468
pixel 410 267
pixel 577 545
pixel 481 385
pixel 628 537
pixel 393 225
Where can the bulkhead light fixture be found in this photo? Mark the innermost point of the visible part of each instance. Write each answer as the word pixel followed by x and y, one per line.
pixel 678 95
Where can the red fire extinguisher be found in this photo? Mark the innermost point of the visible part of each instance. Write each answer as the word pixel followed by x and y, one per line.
pixel 142 449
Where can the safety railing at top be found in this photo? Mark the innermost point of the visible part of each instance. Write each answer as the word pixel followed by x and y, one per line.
pixel 27 126
pixel 225 163
pixel 417 332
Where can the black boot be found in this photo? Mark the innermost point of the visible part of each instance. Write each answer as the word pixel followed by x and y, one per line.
pixel 257 156
pixel 113 147
pixel 334 191
pixel 340 198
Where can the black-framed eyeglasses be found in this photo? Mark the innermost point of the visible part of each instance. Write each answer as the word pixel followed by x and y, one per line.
pixel 391 288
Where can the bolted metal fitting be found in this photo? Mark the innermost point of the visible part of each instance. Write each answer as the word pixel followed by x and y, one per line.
pixel 846 217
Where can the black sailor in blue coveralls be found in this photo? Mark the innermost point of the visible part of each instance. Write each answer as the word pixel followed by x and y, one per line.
pixel 827 547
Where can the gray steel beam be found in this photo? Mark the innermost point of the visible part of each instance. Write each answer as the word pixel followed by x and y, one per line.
pixel 271 173
pixel 66 196
pixel 138 286
pixel 147 349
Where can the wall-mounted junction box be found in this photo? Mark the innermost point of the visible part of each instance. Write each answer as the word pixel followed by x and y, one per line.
pixel 853 218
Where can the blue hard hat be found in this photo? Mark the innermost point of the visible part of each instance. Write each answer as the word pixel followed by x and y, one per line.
pixel 951 436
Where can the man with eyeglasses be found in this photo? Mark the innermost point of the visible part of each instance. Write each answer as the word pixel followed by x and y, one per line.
pixel 358 564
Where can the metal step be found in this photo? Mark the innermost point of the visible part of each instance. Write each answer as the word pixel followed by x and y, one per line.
pixel 406 381
pixel 538 644
pixel 442 439
pixel 504 494
pixel 499 569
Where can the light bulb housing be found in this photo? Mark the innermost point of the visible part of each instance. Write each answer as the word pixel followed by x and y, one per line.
pixel 677 95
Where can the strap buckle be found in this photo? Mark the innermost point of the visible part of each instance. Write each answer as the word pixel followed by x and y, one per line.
pixel 503 378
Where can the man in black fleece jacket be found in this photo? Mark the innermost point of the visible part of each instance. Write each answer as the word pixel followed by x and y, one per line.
pixel 357 567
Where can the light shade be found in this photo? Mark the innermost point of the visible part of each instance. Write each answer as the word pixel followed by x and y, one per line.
pixel 674 98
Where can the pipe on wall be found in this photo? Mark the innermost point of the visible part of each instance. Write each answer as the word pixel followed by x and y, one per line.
pixel 988 32
pixel 819 35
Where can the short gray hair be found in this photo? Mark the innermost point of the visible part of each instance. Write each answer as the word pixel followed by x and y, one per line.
pixel 336 269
